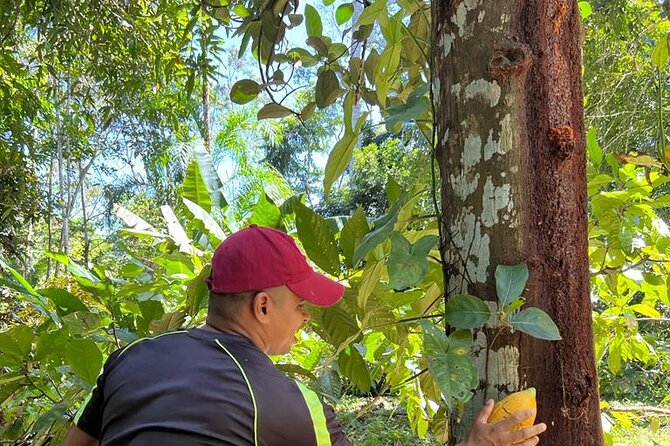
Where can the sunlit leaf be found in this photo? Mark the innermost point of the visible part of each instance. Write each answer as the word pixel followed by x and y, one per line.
pixel 245 90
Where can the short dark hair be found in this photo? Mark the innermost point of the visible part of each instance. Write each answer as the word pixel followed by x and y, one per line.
pixel 228 305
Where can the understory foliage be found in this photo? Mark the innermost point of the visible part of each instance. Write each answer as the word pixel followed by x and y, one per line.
pixel 380 236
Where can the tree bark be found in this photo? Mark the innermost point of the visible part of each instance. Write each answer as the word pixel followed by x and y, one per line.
pixel 511 151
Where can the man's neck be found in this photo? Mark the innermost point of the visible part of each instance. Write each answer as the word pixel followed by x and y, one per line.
pixel 220 326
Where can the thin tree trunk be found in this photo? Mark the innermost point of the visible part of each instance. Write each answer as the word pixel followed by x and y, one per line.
pixel 511 151
pixel 49 212
pixel 65 230
pixel 61 180
pixel 206 118
pixel 82 189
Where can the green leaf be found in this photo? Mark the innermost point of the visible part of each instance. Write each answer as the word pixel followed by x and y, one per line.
pixel 352 233
pixel 308 110
pixel 209 225
pixel 593 148
pixel 244 91
pixel 510 282
pixel 352 365
pixel 16 343
pixel 453 371
pixel 374 11
pixel 383 228
pixel 266 213
pixel 416 105
pixel 465 311
pixel 339 326
pixel 169 322
pixel 177 266
pixel 585 9
pixel 57 414
pixel 240 10
pixel 317 239
pixel 369 280
pixel 176 230
pixel 273 110
pixel 65 301
pixel 536 323
pixel 209 176
pixel 327 88
pixel 313 23
pixel 194 188
pixel 197 292
pixel 408 264
pixel 646 310
pixel 85 359
pixel 344 12
pixel 659 55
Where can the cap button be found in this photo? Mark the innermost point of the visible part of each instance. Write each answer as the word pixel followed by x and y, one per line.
pixel 253 225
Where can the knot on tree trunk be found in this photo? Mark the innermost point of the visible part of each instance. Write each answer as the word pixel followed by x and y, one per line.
pixel 562 139
pixel 510 58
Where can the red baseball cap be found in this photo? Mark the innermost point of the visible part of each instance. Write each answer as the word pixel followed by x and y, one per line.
pixel 256 258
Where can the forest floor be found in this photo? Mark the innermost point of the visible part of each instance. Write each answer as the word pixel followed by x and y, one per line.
pixel 385 423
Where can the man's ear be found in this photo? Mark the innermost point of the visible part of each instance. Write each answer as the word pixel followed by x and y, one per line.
pixel 259 306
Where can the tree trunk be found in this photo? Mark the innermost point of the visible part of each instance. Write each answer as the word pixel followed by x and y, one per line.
pixel 87 238
pixel 511 150
pixel 49 212
pixel 206 117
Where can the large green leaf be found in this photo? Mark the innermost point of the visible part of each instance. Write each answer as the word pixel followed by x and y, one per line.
pixel 510 282
pixel 339 326
pixel 536 323
pixel 65 301
pixel 133 221
pixel 340 156
pixel 16 344
pixel 352 233
pixel 209 225
pixel 407 263
pixel 194 187
pixel 317 239
pixel 369 281
pixel 210 177
pixel 265 213
pixel 373 11
pixel 313 24
pixel 176 231
pixel 451 366
pixel 352 365
pixel 417 104
pixel 466 311
pixel 85 359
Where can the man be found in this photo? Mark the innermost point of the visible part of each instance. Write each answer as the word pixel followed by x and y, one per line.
pixel 215 385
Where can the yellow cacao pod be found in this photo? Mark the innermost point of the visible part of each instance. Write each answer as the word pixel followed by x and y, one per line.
pixel 512 404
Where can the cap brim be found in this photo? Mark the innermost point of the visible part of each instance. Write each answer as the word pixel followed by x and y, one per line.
pixel 318 289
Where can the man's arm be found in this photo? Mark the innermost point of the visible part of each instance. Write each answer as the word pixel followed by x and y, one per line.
pixel 77 437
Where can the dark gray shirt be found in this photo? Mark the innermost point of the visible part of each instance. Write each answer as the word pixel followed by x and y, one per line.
pixel 197 387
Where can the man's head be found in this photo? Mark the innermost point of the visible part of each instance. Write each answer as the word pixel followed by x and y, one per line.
pixel 261 279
